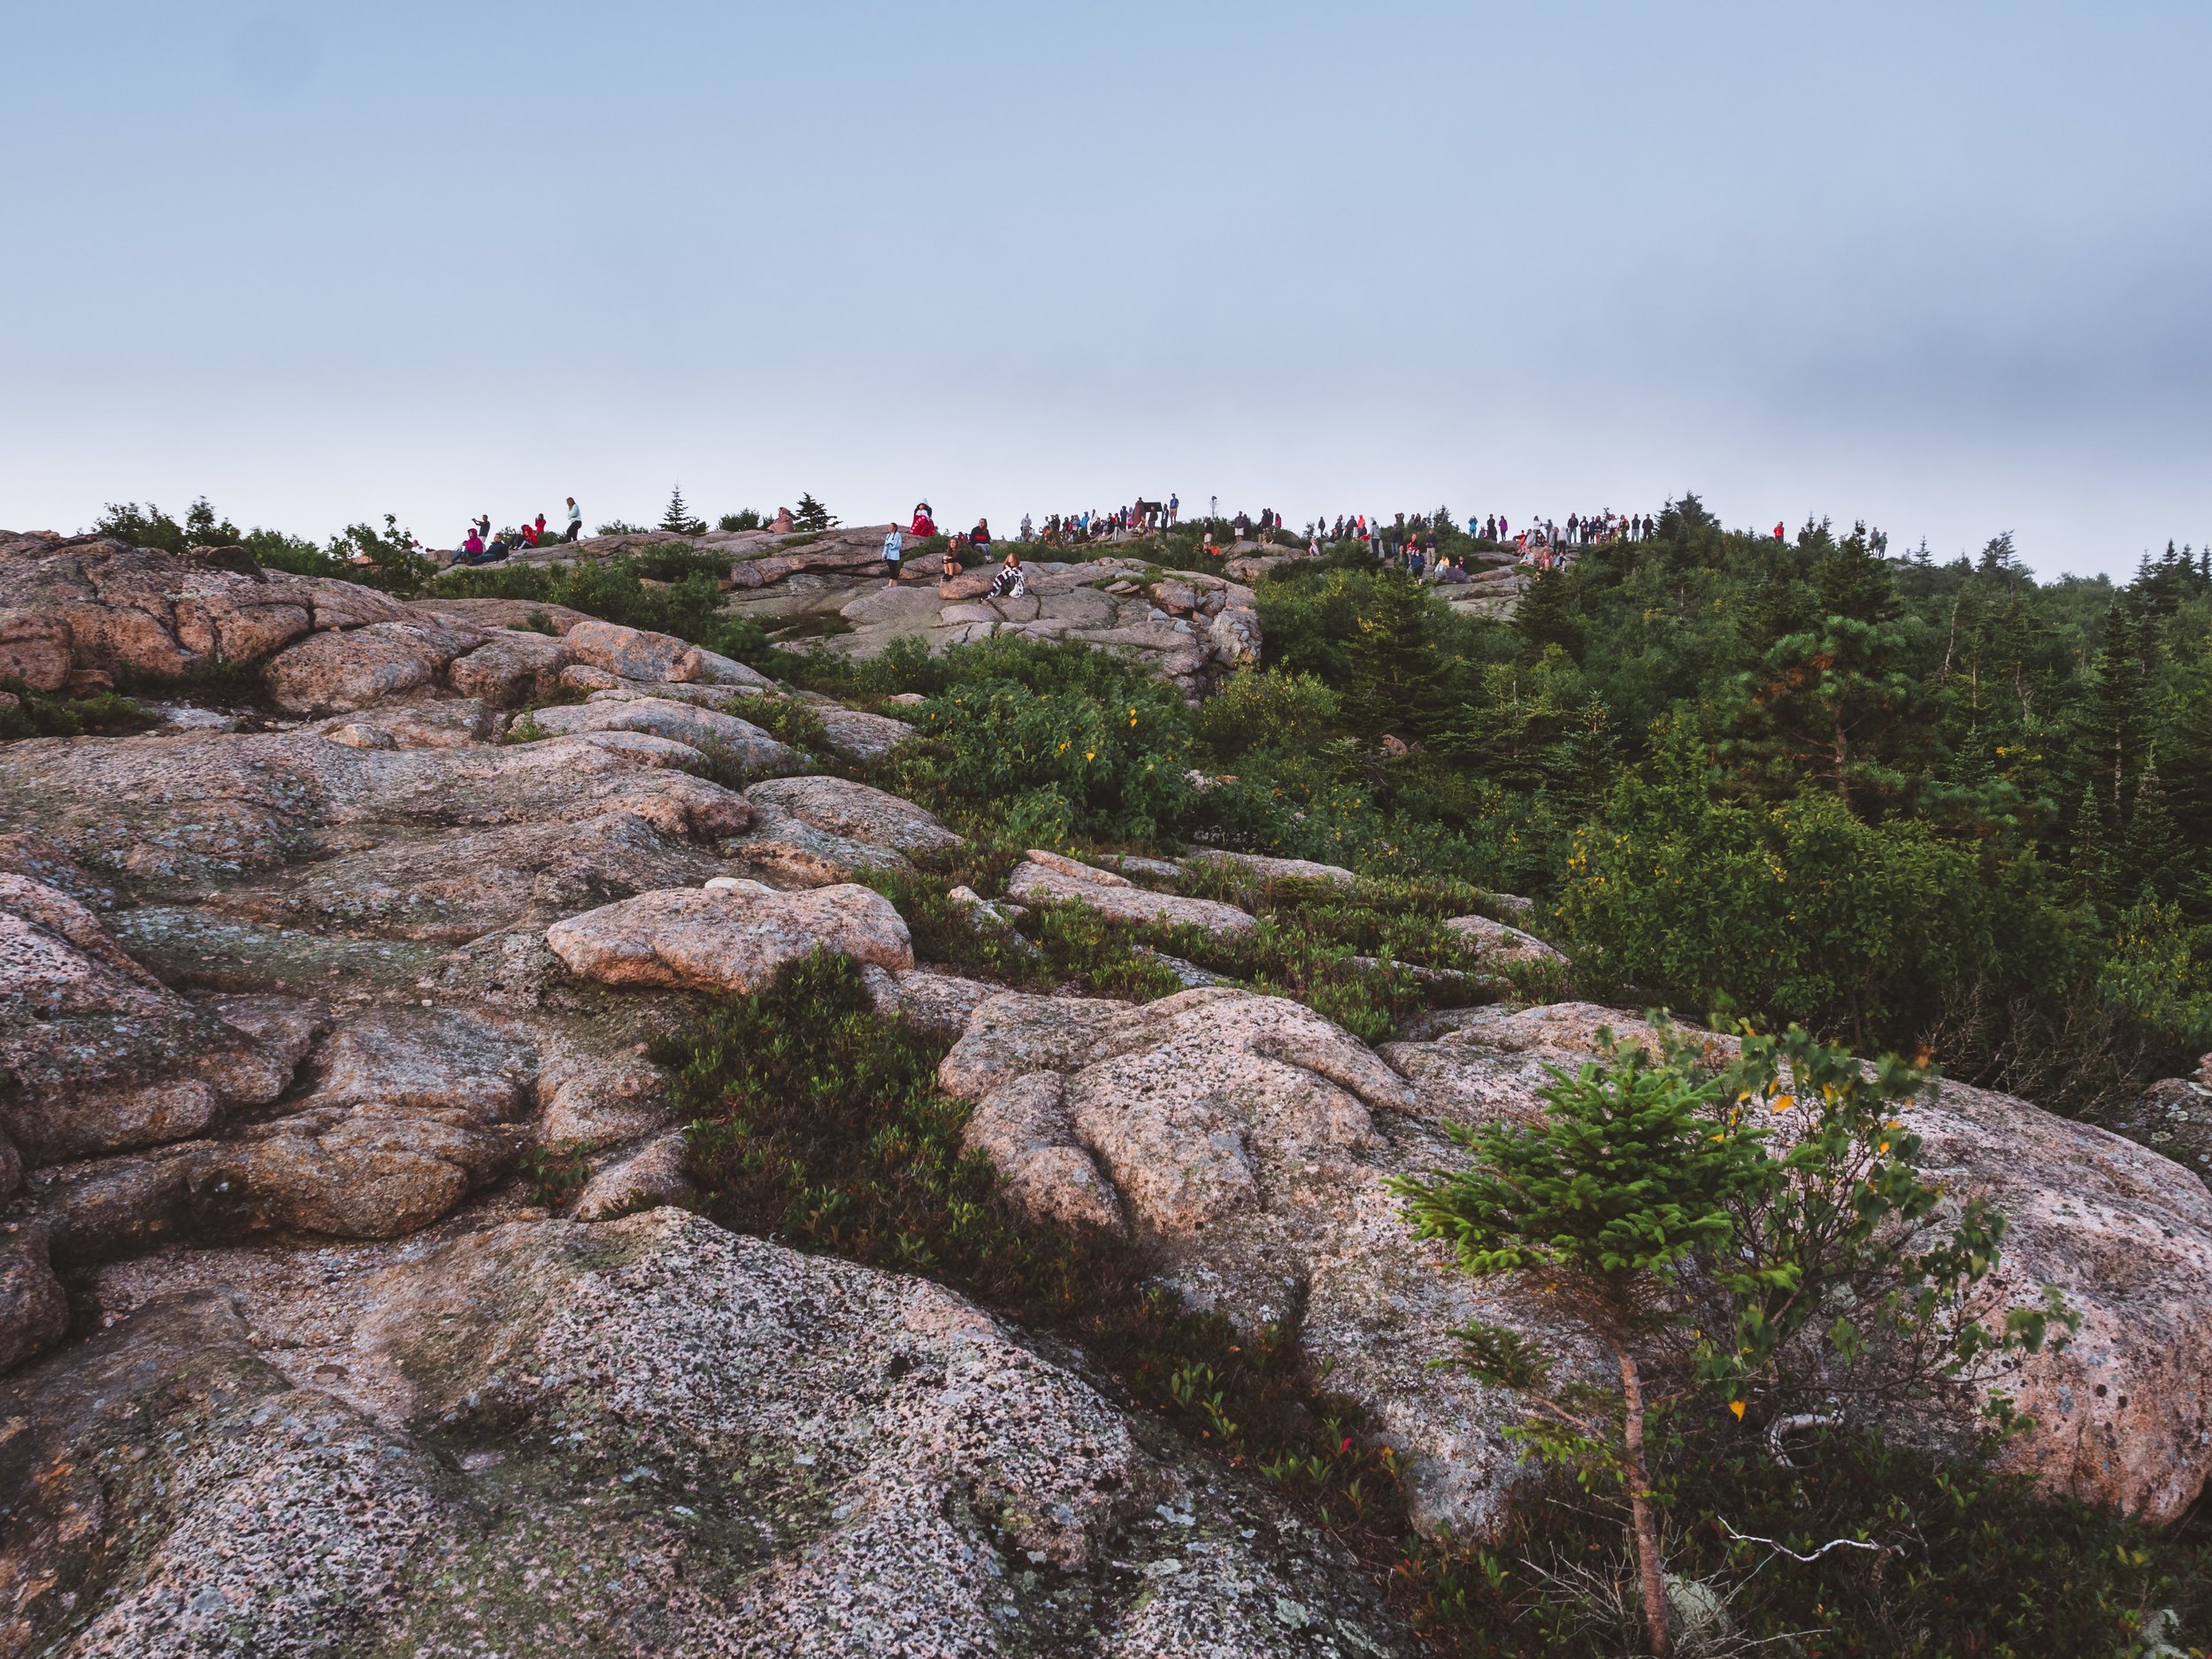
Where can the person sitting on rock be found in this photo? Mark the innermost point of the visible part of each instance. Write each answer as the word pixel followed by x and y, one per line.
pixel 471 548
pixel 951 567
pixel 1010 582
pixel 497 549
pixel 981 534
pixel 530 533
pixel 783 525
pixel 924 527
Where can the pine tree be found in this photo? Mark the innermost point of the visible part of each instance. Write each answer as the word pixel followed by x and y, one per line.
pixel 678 519
pixel 1853 581
pixel 811 515
pixel 2089 880
pixel 2115 724
pixel 1544 616
pixel 2152 857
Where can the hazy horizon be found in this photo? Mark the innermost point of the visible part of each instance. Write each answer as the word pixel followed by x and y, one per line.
pixel 326 261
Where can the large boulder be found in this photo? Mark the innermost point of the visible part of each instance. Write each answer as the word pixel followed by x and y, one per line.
pixel 859 735
pixel 1244 1141
pixel 648 1437
pixel 102 1056
pixel 706 729
pixel 854 811
pixel 631 653
pixel 133 610
pixel 34 648
pixel 730 936
pixel 2126 1235
pixel 1501 941
pixel 348 669
pixel 218 806
pixel 1048 876
pixel 1267 869
pixel 512 666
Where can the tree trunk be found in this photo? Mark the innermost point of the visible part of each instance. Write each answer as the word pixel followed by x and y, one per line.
pixel 1648 1565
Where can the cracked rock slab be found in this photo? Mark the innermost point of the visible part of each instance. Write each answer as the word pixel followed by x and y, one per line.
pixel 1044 876
pixel 649 1437
pixel 731 935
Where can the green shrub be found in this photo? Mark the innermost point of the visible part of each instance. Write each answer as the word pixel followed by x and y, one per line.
pixel 818 1120
pixel 1799 912
pixel 1967 1561
pixel 42 714
pixel 1053 764
pixel 616 589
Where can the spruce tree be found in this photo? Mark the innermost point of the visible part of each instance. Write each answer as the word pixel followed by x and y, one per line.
pixel 1545 616
pixel 811 515
pixel 2115 734
pixel 678 519
pixel 2152 858
pixel 1853 581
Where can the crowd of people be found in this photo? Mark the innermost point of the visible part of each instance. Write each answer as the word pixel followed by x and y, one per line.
pixel 481 544
pixel 1410 541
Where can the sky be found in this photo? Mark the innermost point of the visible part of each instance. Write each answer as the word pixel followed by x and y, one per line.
pixel 1942 268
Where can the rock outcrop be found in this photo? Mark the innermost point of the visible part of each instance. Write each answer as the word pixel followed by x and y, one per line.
pixel 1499 941
pixel 705 730
pixel 1190 628
pixel 1047 876
pixel 730 936
pixel 1244 1142
pixel 651 1436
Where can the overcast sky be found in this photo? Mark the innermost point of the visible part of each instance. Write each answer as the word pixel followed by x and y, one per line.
pixel 1940 267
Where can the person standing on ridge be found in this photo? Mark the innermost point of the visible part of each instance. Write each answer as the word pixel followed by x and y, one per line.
pixel 1174 509
pixel 893 546
pixel 575 520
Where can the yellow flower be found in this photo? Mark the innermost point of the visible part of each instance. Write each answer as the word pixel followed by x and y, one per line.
pixel 1737 1407
pixel 1090 754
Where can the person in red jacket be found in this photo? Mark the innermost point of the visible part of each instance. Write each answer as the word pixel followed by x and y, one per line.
pixel 1777 533
pixel 924 525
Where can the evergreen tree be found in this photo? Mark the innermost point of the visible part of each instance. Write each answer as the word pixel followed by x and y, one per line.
pixel 1832 705
pixel 2151 863
pixel 2115 725
pixel 2090 870
pixel 1544 617
pixel 1851 579
pixel 1611 1197
pixel 811 515
pixel 678 519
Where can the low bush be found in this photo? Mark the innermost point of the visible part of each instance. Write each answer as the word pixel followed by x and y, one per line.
pixel 666 589
pixel 43 714
pixel 1945 1558
pixel 818 1120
